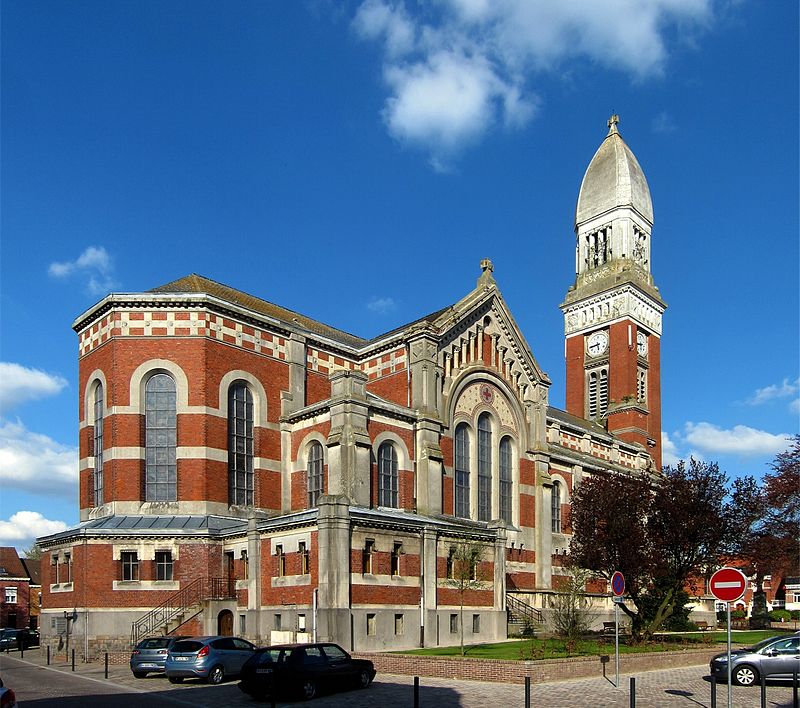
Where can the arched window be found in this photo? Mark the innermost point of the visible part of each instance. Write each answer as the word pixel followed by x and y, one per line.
pixel 462 471
pixel 316 474
pixel 556 508
pixel 506 482
pixel 484 468
pixel 387 475
pixel 98 445
pixel 597 394
pixel 240 445
pixel 161 476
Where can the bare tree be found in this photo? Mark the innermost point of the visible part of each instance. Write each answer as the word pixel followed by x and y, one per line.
pixel 464 574
pixel 573 614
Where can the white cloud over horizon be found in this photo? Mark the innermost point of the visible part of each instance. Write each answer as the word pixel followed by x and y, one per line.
pixel 460 67
pixel 20 383
pixel 786 389
pixel 381 305
pixel 740 440
pixel 94 264
pixel 22 529
pixel 36 463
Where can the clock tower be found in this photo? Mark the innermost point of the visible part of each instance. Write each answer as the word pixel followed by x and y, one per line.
pixel 613 311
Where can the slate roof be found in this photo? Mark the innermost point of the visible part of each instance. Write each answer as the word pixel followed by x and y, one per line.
pixel 33 567
pixel 10 564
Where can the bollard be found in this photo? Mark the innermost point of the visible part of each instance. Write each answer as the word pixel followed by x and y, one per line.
pixel 763 691
pixel 106 664
pixel 416 692
pixel 527 692
pixel 48 655
pixel 713 692
pixel 22 651
pixel 633 692
pixel 794 690
pixel 73 660
pixel 272 697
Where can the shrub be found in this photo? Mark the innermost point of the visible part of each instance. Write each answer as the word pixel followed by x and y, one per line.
pixel 738 614
pixel 780 615
pixel 795 614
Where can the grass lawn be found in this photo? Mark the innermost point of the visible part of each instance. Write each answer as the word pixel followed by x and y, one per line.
pixel 526 649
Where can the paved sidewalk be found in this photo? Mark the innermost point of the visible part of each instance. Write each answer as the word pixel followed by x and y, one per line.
pixel 684 687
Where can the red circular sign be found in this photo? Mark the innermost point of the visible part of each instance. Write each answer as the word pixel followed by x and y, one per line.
pixel 728 584
pixel 618 584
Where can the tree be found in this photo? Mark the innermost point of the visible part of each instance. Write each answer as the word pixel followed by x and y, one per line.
pixel 33 553
pixel 658 531
pixel 572 612
pixel 464 574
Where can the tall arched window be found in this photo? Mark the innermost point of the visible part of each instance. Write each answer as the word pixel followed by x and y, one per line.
pixel 387 475
pixel 506 481
pixel 316 474
pixel 240 445
pixel 462 471
pixel 98 446
pixel 556 507
pixel 161 476
pixel 484 468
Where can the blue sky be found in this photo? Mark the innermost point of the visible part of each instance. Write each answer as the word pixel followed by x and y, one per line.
pixel 356 161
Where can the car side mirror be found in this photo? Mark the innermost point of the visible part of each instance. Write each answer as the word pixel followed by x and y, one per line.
pixel 772 652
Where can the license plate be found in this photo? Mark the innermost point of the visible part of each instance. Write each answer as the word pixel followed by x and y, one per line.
pixel 148 666
pixel 182 658
pixel 263 671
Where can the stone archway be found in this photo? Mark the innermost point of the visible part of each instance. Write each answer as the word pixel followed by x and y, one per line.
pixel 225 623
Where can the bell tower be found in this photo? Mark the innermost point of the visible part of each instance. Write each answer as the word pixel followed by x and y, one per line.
pixel 613 311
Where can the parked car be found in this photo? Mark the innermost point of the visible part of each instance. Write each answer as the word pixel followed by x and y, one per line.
pixel 303 670
pixel 18 638
pixel 7 697
pixel 209 658
pixel 150 654
pixel 774 658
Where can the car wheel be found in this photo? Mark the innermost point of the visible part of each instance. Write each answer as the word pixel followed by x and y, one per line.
pixel 176 679
pixel 308 689
pixel 140 674
pixel 364 679
pixel 745 675
pixel 216 675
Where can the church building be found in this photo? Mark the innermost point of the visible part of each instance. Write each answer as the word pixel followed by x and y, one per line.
pixel 247 470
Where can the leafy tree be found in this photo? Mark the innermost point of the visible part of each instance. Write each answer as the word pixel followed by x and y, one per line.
pixel 464 574
pixel 658 531
pixel 34 552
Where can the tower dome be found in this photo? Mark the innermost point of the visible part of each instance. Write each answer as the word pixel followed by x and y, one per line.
pixel 613 179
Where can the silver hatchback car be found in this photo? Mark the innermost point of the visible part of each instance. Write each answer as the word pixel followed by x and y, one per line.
pixel 209 658
pixel 773 658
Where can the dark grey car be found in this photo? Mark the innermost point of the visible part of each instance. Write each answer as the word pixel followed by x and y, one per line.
pixel 150 654
pixel 773 658
pixel 209 658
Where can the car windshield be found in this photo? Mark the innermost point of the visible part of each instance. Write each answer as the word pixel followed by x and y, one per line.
pixel 763 643
pixel 155 643
pixel 187 646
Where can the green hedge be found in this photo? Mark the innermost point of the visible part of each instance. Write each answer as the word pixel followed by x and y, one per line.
pixel 780 615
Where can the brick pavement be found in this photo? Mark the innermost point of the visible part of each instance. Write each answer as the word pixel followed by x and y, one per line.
pixel 672 688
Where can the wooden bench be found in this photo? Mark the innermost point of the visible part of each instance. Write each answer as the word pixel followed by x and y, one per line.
pixel 704 626
pixel 608 628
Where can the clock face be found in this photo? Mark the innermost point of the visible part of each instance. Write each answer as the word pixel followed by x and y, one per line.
pixel 641 343
pixel 597 343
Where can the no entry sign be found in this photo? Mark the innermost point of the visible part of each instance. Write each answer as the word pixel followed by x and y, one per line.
pixel 618 584
pixel 728 584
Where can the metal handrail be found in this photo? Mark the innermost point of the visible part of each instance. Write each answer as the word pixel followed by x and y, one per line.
pixel 177 604
pixel 523 609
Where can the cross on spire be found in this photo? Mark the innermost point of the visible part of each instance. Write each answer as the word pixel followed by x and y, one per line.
pixel 612 123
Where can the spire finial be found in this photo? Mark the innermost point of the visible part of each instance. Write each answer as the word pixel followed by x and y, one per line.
pixel 612 123
pixel 486 264
pixel 486 278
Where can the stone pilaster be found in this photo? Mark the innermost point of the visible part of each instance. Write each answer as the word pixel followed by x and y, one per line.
pixel 333 611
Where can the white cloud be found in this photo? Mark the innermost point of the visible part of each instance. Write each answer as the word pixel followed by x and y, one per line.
pixel 19 383
pixel 459 67
pixel 381 305
pixel 22 529
pixel 739 440
pixel 669 451
pixel 94 264
pixel 663 123
pixel 785 389
pixel 36 463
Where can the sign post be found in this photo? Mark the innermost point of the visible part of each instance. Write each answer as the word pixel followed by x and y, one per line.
pixel 618 588
pixel 728 585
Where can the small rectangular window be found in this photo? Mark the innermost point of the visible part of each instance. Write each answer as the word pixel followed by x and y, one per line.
pixel 451 563
pixel 371 629
pixel 278 623
pixel 130 565
pixel 245 565
pixel 301 623
pixel 398 625
pixel 242 624
pixel 301 547
pixel 369 549
pixel 281 561
pixel 68 564
pixel 397 551
pixel 54 564
pixel 476 624
pixel 11 595
pixel 163 565
pixel 453 624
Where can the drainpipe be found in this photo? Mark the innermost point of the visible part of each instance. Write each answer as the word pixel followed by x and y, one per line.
pixel 314 614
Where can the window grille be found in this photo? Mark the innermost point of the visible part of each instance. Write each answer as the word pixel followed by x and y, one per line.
pixel 387 475
pixel 462 471
pixel 160 439
pixel 556 507
pixel 98 445
pixel 641 385
pixel 506 480
pixel 484 468
pixel 240 445
pixel 316 474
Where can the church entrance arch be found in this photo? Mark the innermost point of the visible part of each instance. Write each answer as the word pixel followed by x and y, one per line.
pixel 225 623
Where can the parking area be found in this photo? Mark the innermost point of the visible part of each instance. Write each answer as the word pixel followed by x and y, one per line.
pixel 685 687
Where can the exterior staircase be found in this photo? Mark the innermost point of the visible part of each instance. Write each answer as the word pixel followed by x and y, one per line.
pixel 522 617
pixel 188 602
